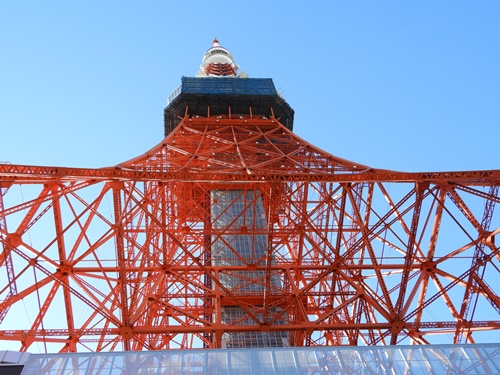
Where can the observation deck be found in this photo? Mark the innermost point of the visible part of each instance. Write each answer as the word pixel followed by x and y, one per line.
pixel 228 96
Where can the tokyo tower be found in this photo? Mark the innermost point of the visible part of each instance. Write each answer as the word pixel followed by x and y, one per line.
pixel 233 232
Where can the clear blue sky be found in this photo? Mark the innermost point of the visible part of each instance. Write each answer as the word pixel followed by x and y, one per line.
pixel 404 85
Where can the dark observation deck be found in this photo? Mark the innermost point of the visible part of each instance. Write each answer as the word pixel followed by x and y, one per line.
pixel 219 96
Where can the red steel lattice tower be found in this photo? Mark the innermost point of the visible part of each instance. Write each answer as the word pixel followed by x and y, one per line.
pixel 234 232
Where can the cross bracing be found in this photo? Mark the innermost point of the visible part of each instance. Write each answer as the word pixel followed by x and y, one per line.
pixel 123 257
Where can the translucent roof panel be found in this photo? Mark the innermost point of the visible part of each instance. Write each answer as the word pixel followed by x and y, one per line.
pixel 9 356
pixel 430 359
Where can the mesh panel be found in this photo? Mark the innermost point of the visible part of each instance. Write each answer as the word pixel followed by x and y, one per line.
pixel 240 216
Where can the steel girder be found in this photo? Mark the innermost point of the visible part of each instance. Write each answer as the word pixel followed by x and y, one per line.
pixel 120 258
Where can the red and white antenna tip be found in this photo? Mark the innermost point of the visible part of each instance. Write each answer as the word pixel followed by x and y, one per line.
pixel 218 62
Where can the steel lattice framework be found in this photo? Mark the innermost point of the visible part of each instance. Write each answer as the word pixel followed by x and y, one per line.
pixel 121 258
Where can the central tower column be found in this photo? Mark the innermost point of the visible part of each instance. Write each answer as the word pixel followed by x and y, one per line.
pixel 239 224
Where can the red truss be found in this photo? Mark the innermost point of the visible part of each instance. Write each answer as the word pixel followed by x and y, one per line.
pixel 220 70
pixel 120 258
